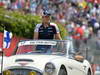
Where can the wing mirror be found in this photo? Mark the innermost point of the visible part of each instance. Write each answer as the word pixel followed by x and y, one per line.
pixel 79 58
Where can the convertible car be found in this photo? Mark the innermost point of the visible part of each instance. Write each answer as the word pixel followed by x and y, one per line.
pixel 46 57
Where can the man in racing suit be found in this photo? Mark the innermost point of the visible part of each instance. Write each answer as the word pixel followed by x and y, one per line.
pixel 46 30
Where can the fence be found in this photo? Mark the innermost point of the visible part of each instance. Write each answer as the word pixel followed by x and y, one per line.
pixel 90 50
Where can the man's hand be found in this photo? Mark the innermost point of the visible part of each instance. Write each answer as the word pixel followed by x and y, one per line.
pixel 58 37
pixel 35 35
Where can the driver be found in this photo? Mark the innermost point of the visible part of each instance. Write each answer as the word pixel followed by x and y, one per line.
pixel 46 30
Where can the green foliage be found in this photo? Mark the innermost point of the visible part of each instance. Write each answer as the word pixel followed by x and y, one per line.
pixel 63 31
pixel 21 24
pixel 18 23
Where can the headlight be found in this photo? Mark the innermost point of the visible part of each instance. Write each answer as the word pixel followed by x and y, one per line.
pixel 49 68
pixel 7 72
pixel 32 73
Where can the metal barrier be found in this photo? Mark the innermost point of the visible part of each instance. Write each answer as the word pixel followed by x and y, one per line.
pixel 90 50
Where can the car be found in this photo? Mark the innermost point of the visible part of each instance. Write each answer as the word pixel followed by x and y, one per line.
pixel 46 57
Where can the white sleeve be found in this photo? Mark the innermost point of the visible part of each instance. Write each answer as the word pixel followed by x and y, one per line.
pixel 56 27
pixel 37 28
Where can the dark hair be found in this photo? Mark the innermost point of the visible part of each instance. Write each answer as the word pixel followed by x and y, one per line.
pixel 97 6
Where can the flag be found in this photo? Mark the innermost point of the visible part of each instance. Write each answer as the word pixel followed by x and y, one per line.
pixel 7 39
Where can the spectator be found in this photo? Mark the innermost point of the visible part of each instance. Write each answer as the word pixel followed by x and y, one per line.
pixel 33 6
pixel 98 40
pixel 86 33
pixel 78 36
pixel 96 27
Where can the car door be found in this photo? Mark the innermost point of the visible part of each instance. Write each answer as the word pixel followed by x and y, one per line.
pixel 76 67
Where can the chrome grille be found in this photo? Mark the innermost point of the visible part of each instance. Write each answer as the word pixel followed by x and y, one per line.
pixel 23 71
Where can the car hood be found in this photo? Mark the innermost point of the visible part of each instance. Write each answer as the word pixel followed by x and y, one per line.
pixel 37 61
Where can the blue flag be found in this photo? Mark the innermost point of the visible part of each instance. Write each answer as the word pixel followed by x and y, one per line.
pixel 7 39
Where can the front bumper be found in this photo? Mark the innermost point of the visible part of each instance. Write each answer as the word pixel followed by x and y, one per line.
pixel 23 70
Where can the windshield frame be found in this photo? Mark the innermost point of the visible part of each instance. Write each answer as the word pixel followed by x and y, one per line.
pixel 65 41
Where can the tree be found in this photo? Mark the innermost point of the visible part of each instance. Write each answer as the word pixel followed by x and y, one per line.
pixel 21 24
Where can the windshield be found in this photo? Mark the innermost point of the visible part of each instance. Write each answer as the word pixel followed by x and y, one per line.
pixel 41 46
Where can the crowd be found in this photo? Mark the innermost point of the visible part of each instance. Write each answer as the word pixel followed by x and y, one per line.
pixel 81 18
pixel 83 24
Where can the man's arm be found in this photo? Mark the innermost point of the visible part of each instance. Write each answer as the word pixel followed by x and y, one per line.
pixel 35 35
pixel 57 36
pixel 57 32
pixel 36 31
